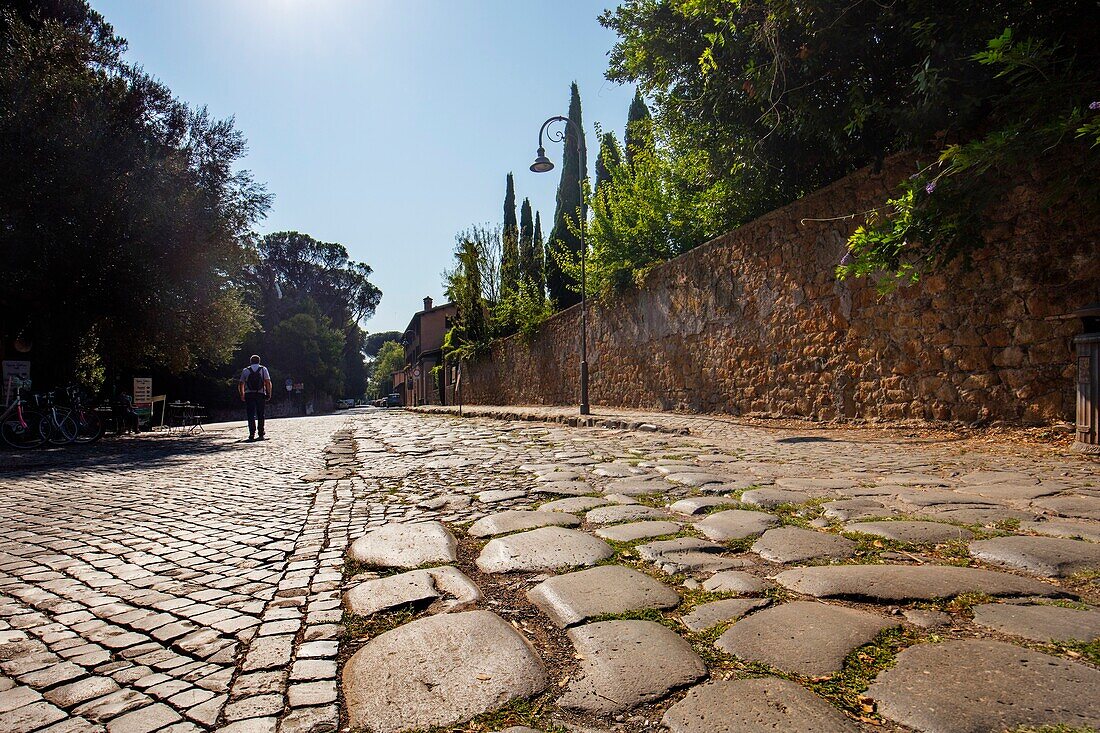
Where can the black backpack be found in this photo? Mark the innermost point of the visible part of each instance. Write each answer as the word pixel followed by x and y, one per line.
pixel 255 381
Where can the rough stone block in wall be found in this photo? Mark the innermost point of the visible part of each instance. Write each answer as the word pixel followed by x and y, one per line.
pixel 755 321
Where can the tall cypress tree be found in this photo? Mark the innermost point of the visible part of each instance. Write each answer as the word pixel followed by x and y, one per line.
pixel 639 133
pixel 607 160
pixel 538 249
pixel 526 244
pixel 509 260
pixel 562 239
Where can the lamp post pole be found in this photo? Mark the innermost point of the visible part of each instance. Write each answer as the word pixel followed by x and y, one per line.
pixel 543 164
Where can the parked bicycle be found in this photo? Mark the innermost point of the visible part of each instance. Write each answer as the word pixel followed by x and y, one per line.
pixel 58 426
pixel 21 423
pixel 89 425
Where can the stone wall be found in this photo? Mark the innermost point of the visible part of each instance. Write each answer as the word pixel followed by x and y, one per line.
pixel 755 322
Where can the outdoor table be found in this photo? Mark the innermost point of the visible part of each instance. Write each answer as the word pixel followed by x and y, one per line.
pixel 186 416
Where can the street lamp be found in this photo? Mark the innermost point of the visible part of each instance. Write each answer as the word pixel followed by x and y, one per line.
pixel 543 164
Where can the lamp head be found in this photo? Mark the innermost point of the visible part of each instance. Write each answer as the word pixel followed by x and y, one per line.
pixel 542 164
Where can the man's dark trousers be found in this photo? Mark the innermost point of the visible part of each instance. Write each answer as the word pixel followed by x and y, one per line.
pixel 254 404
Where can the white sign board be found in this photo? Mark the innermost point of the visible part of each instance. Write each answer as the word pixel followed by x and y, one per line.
pixel 143 390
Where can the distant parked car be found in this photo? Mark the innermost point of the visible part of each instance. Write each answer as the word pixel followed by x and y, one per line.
pixel 393 400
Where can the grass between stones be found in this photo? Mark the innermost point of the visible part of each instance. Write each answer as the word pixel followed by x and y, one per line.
pixel 531 713
pixel 1088 651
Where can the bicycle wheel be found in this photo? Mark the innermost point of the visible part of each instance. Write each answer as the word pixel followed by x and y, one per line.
pixel 59 427
pixel 22 429
pixel 89 426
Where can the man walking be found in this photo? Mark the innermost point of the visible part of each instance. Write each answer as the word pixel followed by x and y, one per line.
pixel 255 389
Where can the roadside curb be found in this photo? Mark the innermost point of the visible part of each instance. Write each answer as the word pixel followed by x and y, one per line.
pixel 576 421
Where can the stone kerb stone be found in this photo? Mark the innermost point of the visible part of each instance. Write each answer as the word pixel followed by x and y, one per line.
pixel 539 550
pixel 405 546
pixel 610 589
pixel 766 705
pixel 439 671
pixel 627 663
pixel 975 686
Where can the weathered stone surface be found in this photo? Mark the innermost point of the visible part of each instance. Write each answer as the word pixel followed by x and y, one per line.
pixel 980 686
pixel 711 614
pixel 494 496
pixel 405 546
pixel 907 582
pixel 736 581
pixel 638 486
pixel 689 555
pixel 845 509
pixel 564 488
pixel 1072 505
pixel 623 513
pixel 807 483
pixel 918 532
pixel 548 548
pixel 439 671
pixel 637 531
pixel 627 663
pixel 936 497
pixel 766 705
pixel 985 515
pixel 769 498
pixel 513 520
pixel 696 478
pixel 926 618
pixel 1064 528
pixel 699 504
pixel 735 524
pixel 793 544
pixel 982 478
pixel 573 504
pixel 804 637
pixel 573 598
pixel 1047 556
pixel 1040 623
pixel 416 587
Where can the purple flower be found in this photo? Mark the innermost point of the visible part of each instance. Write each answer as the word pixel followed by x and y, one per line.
pixel 1094 105
pixel 930 187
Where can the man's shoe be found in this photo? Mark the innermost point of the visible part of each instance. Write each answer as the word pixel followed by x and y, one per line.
pixel 261 437
pixel 251 438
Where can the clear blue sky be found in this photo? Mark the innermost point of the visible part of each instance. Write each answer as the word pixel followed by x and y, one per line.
pixel 385 125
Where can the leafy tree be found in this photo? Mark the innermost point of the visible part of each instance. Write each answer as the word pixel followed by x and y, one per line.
pixel 308 348
pixel 564 241
pixel 786 97
pixel 608 159
pixel 122 214
pixel 510 258
pixel 373 342
pixel 469 335
pixel 527 244
pixel 390 359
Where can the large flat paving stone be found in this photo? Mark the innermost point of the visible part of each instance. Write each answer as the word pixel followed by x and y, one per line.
pixel 696 478
pixel 736 581
pixel 809 638
pixel 709 615
pixel 979 686
pixel 573 504
pixel 770 498
pixel 689 555
pixel 766 705
pixel 793 544
pixel 639 486
pixel 573 598
pixel 1072 505
pixel 699 504
pixel 1047 556
pixel 846 509
pixel 564 488
pixel 547 548
pixel 414 588
pixel 627 663
pixel 736 524
pixel 1064 528
pixel 1040 623
pixel 917 532
pixel 438 671
pixel 623 513
pixel 637 531
pixel 891 583
pixel 513 520
pixel 405 546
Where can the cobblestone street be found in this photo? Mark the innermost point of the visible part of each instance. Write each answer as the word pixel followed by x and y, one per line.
pixel 739 579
